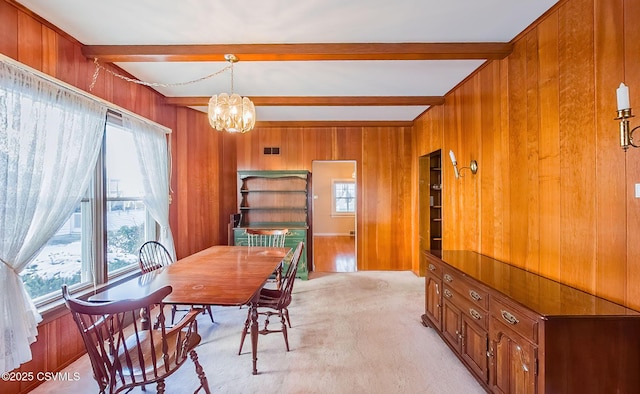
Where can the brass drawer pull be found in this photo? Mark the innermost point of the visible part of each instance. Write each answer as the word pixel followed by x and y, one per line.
pixel 474 295
pixel 432 267
pixel 475 314
pixel 509 318
pixel 448 278
pixel 448 293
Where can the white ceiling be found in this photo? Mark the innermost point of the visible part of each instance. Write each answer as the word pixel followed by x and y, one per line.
pixel 170 22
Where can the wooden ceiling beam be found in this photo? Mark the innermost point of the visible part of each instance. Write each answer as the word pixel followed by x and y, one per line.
pixel 334 123
pixel 298 52
pixel 318 101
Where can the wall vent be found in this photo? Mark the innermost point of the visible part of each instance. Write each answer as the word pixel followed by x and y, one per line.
pixel 272 150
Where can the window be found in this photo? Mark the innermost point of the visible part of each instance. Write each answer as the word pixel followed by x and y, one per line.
pixel 344 197
pixel 127 219
pixel 60 260
pixel 112 214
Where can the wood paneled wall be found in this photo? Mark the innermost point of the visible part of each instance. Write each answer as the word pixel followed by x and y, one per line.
pixel 204 183
pixel 554 193
pixel 383 158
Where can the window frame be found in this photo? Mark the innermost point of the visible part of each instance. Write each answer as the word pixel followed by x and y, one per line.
pixel 94 248
pixel 334 197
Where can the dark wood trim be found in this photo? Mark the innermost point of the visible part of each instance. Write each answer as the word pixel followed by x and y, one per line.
pixel 319 101
pixel 330 123
pixel 297 52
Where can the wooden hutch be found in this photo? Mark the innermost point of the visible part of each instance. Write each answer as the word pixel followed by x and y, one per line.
pixel 275 200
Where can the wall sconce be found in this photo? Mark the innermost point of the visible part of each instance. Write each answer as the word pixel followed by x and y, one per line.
pixel 624 113
pixel 473 166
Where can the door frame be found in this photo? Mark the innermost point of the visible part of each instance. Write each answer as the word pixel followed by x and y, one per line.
pixel 314 196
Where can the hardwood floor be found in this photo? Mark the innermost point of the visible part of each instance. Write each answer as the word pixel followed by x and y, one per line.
pixel 334 253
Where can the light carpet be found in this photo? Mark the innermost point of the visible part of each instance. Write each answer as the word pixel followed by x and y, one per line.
pixel 352 333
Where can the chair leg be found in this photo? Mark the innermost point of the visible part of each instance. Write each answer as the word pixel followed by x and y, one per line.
pixel 244 331
pixel 284 329
pixel 204 384
pixel 266 321
pixel 286 315
pixel 160 387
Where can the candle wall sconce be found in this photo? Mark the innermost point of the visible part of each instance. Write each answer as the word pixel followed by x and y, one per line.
pixel 624 113
pixel 473 166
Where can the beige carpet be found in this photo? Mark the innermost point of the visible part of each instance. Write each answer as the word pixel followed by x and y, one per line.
pixel 352 333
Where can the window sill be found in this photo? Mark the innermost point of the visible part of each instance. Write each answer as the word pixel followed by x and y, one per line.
pixel 56 308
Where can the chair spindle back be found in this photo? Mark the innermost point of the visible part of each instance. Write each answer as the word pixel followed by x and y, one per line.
pixel 272 238
pixel 153 255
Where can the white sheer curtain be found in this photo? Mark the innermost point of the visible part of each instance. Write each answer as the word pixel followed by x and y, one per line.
pixel 49 143
pixel 151 145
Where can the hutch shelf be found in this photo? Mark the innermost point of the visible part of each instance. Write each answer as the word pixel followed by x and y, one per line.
pixel 275 200
pixel 430 204
pixel 435 201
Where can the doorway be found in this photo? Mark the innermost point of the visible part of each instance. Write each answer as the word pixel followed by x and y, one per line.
pixel 334 215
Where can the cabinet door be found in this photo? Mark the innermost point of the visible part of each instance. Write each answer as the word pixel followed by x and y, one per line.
pixel 433 301
pixel 474 347
pixel 513 361
pixel 451 323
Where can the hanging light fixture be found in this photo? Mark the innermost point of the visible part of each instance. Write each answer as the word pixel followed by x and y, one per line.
pixel 231 113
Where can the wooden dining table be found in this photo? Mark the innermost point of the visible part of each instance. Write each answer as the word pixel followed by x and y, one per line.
pixel 219 275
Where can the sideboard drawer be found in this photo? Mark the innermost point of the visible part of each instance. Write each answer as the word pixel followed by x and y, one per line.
pixel 434 267
pixel 466 306
pixel 515 318
pixel 470 291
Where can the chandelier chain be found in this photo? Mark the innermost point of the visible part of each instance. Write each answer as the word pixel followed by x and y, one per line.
pixel 232 113
pixel 99 67
pixel 231 77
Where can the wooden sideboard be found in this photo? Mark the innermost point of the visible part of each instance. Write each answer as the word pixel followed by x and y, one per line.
pixel 518 332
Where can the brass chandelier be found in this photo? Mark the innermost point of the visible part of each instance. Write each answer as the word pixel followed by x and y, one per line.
pixel 231 113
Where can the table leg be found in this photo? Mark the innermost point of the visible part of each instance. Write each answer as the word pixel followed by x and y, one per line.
pixel 279 276
pixel 254 336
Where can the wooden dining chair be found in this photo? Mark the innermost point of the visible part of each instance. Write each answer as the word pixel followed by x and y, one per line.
pixel 276 302
pixel 123 354
pixel 272 238
pixel 152 256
